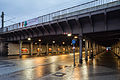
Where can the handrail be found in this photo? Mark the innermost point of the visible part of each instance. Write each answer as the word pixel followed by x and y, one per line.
pixel 79 9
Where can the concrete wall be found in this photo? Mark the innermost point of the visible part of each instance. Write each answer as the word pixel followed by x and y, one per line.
pixel 116 49
pixel 13 48
pixel 3 47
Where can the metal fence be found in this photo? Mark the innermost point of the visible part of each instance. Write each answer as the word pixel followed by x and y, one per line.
pixel 76 10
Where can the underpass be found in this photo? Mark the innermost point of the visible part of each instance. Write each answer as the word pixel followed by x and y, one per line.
pixel 41 49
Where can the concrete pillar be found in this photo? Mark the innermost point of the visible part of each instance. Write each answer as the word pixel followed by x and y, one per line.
pixel 100 48
pixel 31 48
pixel 47 46
pixel 57 49
pixel 68 49
pixel 89 49
pixel 115 48
pixel 94 52
pixel 86 49
pixel 37 49
pixel 20 48
pixel 119 48
pixel 40 48
pixel 3 47
pixel 97 49
pixel 91 56
pixel 52 49
pixel 80 50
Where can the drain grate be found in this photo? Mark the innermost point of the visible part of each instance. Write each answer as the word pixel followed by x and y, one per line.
pixel 59 74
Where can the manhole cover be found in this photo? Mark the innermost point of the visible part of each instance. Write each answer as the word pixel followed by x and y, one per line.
pixel 59 74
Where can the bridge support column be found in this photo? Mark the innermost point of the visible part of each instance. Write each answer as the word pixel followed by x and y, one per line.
pixel 86 50
pixel 118 48
pixel 68 50
pixel 91 56
pixel 89 49
pixel 80 50
pixel 115 48
pixel 100 48
pixel 20 48
pixel 3 47
pixel 94 50
pixel 47 47
pixel 97 49
pixel 57 49
pixel 31 48
pixel 40 48
pixel 52 48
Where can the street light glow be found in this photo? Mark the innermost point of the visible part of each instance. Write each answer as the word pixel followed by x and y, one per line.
pixel 39 40
pixel 53 41
pixel 83 39
pixel 63 42
pixel 69 34
pixel 76 37
pixel 35 43
pixel 29 39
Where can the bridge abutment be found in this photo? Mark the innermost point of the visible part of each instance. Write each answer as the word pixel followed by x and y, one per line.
pixel 3 47
pixel 116 49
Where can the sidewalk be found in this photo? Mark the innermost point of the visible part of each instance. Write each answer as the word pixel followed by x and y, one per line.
pixel 83 72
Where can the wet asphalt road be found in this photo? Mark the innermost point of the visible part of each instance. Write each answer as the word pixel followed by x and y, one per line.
pixel 37 67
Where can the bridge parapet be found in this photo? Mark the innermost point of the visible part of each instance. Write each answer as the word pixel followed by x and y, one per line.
pixel 76 10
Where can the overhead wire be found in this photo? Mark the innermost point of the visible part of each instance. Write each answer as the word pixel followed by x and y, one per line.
pixel 63 4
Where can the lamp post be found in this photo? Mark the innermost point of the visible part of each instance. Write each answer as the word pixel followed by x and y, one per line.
pixel 73 42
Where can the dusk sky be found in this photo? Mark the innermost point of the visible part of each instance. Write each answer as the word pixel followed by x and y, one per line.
pixel 22 10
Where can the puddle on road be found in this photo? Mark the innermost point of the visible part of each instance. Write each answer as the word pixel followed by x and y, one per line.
pixel 34 73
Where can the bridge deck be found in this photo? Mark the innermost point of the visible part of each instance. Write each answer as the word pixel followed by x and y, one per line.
pixel 76 10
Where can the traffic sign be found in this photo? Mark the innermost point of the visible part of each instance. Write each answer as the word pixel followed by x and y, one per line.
pixel 73 41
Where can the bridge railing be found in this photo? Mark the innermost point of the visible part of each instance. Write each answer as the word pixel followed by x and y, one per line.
pixel 76 10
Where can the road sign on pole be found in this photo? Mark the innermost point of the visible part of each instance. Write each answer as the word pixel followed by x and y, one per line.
pixel 73 42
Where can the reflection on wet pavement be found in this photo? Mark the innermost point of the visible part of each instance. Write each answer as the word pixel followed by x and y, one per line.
pixel 99 68
pixel 37 67
pixel 108 60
